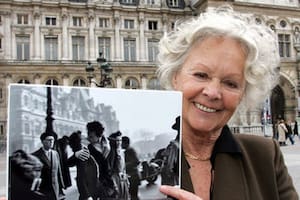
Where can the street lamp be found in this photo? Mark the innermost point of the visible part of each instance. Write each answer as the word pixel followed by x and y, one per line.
pixel 105 71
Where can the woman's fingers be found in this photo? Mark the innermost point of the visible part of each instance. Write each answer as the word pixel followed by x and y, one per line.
pixel 178 193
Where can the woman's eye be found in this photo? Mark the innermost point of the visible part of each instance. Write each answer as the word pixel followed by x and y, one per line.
pixel 231 84
pixel 201 75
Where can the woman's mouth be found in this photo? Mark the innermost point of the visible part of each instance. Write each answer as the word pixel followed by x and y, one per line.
pixel 204 108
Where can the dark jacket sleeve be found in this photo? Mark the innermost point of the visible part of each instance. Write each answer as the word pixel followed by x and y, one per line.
pixel 81 181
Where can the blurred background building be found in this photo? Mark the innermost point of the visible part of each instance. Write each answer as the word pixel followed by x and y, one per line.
pixel 51 42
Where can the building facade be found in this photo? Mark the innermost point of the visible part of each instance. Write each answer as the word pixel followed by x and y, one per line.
pixel 71 111
pixel 51 42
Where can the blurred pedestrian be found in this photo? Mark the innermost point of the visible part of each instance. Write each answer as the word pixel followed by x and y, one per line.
pixel 289 133
pixel 117 166
pixel 132 163
pixel 25 181
pixel 282 132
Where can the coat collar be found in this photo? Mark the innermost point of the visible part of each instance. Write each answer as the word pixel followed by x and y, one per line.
pixel 225 144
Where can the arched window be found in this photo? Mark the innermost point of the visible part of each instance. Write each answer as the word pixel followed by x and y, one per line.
pixel 79 82
pixel 154 84
pixel 131 83
pixel 1 93
pixel 23 81
pixel 51 82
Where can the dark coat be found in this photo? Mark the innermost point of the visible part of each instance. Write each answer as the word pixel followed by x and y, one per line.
pixel 51 173
pixel 87 178
pixel 256 171
pixel 104 171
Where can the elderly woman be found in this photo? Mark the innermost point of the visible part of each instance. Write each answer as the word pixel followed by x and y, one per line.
pixel 222 61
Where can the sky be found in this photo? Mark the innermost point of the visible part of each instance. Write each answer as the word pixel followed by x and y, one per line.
pixel 141 109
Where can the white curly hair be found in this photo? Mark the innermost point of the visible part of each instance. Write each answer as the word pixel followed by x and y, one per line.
pixel 259 41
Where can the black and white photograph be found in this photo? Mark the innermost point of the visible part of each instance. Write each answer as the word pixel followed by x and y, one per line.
pixel 92 143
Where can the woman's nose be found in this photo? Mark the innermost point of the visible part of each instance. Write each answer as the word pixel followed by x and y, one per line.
pixel 212 89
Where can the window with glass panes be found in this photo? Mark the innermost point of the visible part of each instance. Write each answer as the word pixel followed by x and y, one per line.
pixel 284 41
pixel 173 3
pixel 152 49
pixel 50 21
pixel 104 47
pixel 103 22
pixel 79 82
pixel 131 83
pixel 77 21
pixel 152 25
pixel 150 2
pixel 51 47
pixel 51 82
pixel 23 47
pixel 129 49
pixel 78 47
pixel 1 93
pixel 154 84
pixel 1 129
pixel 22 19
pixel 129 24
pixel 128 1
pixel 23 81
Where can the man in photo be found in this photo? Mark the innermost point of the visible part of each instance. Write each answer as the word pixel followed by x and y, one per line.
pixel 51 171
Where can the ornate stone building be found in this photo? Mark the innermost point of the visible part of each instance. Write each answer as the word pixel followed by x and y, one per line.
pixel 51 42
pixel 72 109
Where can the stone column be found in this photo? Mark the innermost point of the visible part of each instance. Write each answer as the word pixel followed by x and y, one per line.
pixel 118 81
pixel 65 78
pixel 144 81
pixel 64 42
pixel 36 35
pixel 91 48
pixel 7 36
pixel 117 36
pixel 296 41
pixel 37 78
pixel 142 51
pixel 165 23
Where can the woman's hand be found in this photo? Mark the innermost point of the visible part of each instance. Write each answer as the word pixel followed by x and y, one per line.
pixel 178 193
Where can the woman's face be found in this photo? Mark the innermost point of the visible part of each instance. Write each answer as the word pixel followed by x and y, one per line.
pixel 212 82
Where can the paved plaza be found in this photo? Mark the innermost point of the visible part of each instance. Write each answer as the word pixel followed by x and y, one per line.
pixel 291 155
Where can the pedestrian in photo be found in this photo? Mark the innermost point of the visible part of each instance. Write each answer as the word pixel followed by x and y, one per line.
pixel 99 148
pixel 61 147
pixel 282 132
pixel 87 172
pixel 25 180
pixel 116 159
pixel 222 61
pixel 51 174
pixel 295 129
pixel 170 165
pixel 132 162
pixel 289 133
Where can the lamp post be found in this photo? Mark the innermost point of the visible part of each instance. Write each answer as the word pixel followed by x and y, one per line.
pixel 105 71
